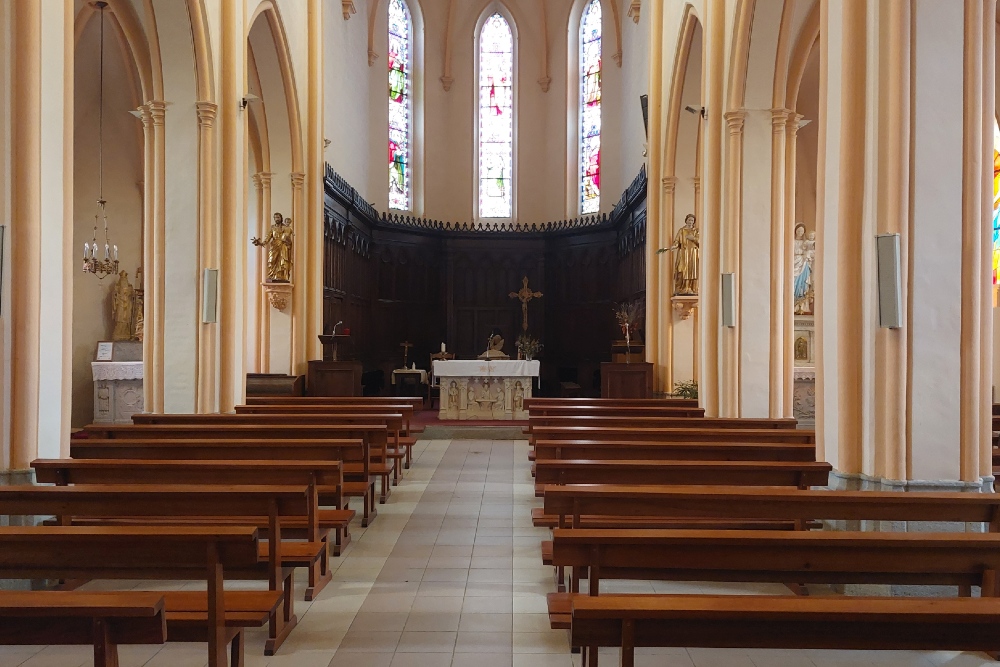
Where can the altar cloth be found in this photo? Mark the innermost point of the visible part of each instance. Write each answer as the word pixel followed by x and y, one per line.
pixel 485 369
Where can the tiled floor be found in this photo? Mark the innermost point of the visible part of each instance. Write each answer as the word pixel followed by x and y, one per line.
pixel 450 575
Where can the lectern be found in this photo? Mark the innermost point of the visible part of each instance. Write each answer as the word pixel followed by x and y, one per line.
pixel 333 376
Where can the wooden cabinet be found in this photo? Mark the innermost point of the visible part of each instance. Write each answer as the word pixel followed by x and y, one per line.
pixel 619 380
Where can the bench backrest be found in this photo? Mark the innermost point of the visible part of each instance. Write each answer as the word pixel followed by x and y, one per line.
pixel 621 410
pixel 737 473
pixel 404 409
pixel 707 502
pixel 672 451
pixel 394 421
pixel 416 402
pixel 534 401
pixel 326 476
pixel 624 433
pixel 646 421
pixel 830 557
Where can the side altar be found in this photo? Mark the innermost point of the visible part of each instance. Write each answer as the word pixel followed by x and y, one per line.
pixel 491 389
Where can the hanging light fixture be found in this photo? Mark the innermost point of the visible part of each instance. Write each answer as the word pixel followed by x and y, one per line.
pixel 92 255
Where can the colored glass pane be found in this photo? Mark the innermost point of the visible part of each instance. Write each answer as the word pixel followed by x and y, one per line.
pixel 496 119
pixel 400 50
pixel 590 108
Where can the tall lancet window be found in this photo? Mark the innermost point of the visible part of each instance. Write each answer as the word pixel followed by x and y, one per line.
pixel 496 119
pixel 996 212
pixel 400 111
pixel 590 108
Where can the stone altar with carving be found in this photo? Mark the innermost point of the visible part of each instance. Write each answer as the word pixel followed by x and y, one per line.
pixel 117 391
pixel 488 390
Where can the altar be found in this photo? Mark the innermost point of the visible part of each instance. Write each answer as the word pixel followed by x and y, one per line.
pixel 487 390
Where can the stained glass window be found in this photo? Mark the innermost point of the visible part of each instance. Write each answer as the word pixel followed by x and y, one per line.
pixel 496 119
pixel 590 108
pixel 996 209
pixel 400 53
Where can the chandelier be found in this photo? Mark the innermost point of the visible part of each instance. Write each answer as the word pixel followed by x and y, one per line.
pixel 92 255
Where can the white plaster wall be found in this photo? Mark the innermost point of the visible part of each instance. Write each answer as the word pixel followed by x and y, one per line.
pixel 634 82
pixel 181 276
pixel 935 243
pixel 807 144
pixel 346 109
pixel 123 174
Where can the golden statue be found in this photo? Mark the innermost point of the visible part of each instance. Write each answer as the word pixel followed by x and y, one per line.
pixel 279 249
pixel 121 308
pixel 688 248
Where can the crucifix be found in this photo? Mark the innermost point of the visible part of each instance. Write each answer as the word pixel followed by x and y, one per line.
pixel 406 345
pixel 524 295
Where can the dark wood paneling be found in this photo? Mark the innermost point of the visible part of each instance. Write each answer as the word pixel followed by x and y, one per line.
pixel 391 279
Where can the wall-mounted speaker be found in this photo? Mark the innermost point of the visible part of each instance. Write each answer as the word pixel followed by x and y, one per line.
pixel 729 299
pixel 890 291
pixel 210 296
pixel 644 102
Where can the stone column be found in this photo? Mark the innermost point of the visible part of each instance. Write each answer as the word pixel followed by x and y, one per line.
pixel 891 345
pixel 732 242
pixel 791 176
pixel 311 288
pixel 206 390
pixel 150 342
pixel 232 274
pixel 778 351
pixel 665 343
pixel 300 276
pixel 263 182
pixel 657 217
pixel 986 301
pixel 157 112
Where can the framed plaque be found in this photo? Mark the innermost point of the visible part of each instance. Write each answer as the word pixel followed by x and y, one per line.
pixel 105 350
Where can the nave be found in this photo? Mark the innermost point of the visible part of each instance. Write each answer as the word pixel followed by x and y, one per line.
pixel 451 574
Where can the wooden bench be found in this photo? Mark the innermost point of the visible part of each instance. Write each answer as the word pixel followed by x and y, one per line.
pixel 350 452
pixel 646 421
pixel 630 621
pixel 264 506
pixel 663 434
pixel 385 463
pixel 326 476
pixel 372 437
pixel 800 474
pixel 64 618
pixel 208 554
pixel 406 438
pixel 538 401
pixel 668 410
pixel 821 557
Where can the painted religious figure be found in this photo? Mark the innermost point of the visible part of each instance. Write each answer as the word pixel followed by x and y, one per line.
pixel 687 249
pixel 802 270
pixel 122 307
pixel 279 249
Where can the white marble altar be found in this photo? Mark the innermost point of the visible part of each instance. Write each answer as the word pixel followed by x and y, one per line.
pixel 117 390
pixel 489 390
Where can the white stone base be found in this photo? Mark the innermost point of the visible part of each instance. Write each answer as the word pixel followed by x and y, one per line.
pixel 495 398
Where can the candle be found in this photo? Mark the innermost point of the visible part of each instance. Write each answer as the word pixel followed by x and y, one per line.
pixel 442 347
pixel 86 248
pixel 116 253
pixel 107 251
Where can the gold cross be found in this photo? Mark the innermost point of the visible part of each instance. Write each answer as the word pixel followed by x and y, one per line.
pixel 525 295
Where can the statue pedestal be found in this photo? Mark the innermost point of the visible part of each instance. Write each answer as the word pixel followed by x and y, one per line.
pixel 117 391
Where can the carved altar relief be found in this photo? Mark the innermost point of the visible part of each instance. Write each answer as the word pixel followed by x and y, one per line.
pixel 489 398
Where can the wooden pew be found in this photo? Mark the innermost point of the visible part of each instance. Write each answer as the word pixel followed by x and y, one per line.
pixel 536 401
pixel 553 450
pixel 67 618
pixel 646 421
pixel 668 410
pixel 350 452
pixel 628 621
pixel 250 505
pixel 374 437
pixel 384 464
pixel 209 554
pixel 799 474
pixel 406 439
pixel 573 502
pixel 326 476
pixel 652 434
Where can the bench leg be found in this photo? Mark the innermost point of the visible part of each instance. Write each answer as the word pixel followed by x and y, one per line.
pixel 237 650
pixel 342 540
pixel 628 643
pixel 105 650
pixel 384 481
pixel 283 619
pixel 319 574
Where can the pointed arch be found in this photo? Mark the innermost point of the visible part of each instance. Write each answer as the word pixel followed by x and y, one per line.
pixel 496 108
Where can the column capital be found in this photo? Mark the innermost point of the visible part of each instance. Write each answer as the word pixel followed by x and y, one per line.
pixel 735 120
pixel 298 180
pixel 263 179
pixel 206 113
pixel 669 184
pixel 145 115
pixel 157 110
pixel 779 118
pixel 794 123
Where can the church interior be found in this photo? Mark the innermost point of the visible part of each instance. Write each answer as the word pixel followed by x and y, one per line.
pixel 517 333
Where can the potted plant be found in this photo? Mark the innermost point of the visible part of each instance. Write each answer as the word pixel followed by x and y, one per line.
pixel 528 347
pixel 686 389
